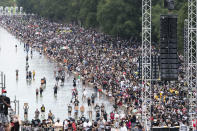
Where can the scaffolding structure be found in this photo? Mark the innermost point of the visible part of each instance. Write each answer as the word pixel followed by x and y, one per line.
pixel 146 64
pixel 192 58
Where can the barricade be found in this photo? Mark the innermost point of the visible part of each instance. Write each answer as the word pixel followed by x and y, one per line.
pixel 29 128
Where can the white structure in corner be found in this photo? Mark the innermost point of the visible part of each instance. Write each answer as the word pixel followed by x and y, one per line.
pixel 192 59
pixel 11 10
pixel 146 64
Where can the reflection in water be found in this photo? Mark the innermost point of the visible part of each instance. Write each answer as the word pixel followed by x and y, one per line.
pixel 25 91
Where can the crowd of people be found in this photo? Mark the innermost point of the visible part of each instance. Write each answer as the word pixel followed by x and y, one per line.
pixel 111 66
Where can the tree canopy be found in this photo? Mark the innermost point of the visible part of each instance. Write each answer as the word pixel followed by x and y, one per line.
pixel 115 17
pixel 7 2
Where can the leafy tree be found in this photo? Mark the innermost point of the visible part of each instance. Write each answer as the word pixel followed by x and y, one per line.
pixel 88 13
pixel 118 17
pixel 7 3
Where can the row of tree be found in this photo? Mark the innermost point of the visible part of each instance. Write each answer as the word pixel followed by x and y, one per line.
pixel 7 3
pixel 115 17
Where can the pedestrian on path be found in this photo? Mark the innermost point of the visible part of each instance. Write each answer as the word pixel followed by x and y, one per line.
pixel 84 95
pixel 27 75
pixel 34 73
pixel 90 112
pixel 30 75
pixel 26 108
pixel 42 112
pixel 76 111
pixel 37 113
pixel 55 90
pixel 41 90
pixel 89 101
pixel 69 110
pixel 102 109
pixel 31 53
pixel 82 110
pixel 37 92
pixel 78 79
pixel 74 82
pixel 17 74
pixel 27 58
pixel 93 99
pixel 51 116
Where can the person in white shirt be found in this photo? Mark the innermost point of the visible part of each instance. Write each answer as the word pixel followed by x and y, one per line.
pixel 58 125
pixel 89 124
pixel 123 128
pixel 65 125
pixel 90 112
pixel 121 84
pixel 84 95
pixel 117 116
pixel 85 124
pixel 122 115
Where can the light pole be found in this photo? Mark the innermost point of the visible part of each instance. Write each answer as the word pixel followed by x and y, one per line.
pixel 146 64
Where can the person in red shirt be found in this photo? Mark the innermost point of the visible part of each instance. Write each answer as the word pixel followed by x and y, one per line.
pixel 74 126
pixel 112 116
pixel 128 123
